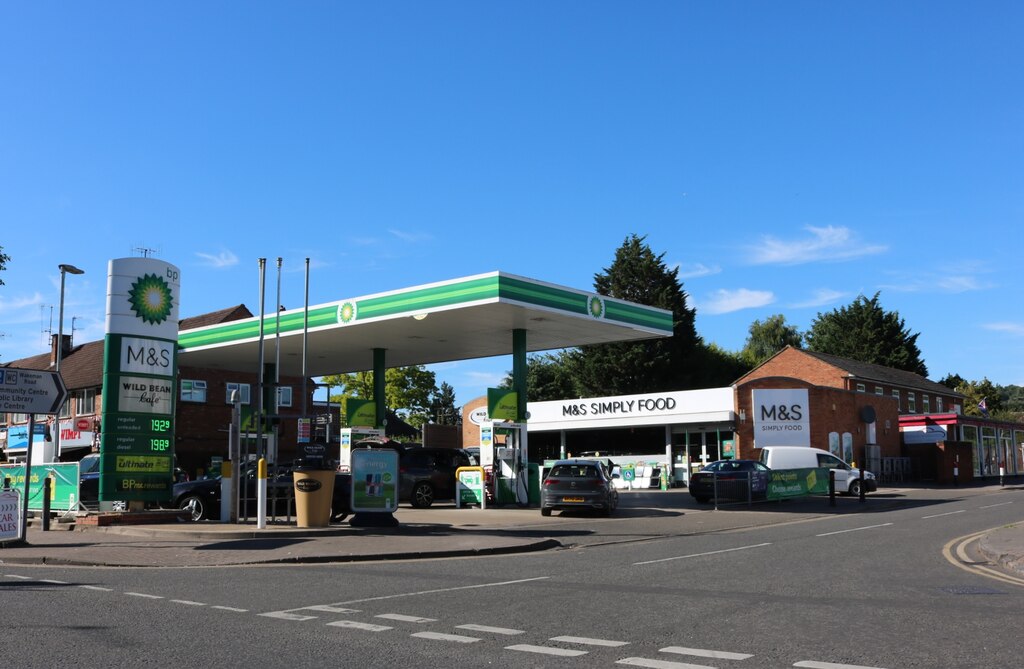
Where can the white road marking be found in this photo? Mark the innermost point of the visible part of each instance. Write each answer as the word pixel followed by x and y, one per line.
pixel 544 650
pixel 701 652
pixel 230 608
pixel 366 627
pixel 437 636
pixel 187 602
pixel 96 587
pixel 588 642
pixel 855 529
pixel 660 664
pixel 329 609
pixel 50 580
pixel 809 664
pixel 284 615
pixel 992 506
pixel 143 595
pixel 19 577
pixel 684 557
pixel 493 630
pixel 431 592
pixel 405 619
pixel 939 515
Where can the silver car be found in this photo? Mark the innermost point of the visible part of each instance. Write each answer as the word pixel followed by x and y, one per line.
pixel 578 484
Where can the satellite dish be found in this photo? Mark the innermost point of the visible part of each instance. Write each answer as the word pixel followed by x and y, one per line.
pixel 867 414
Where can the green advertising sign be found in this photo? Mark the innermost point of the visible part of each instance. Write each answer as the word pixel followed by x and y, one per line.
pixel 63 485
pixel 375 480
pixel 783 483
pixel 502 404
pixel 362 413
pixel 470 482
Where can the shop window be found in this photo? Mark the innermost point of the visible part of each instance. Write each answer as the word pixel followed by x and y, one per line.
pixel 926 405
pixel 193 390
pixel 243 392
pixel 911 403
pixel 85 402
pixel 284 396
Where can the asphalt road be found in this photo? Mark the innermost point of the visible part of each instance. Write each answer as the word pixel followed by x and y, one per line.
pixel 864 590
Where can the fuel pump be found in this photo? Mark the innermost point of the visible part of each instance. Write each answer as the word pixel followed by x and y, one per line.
pixel 510 463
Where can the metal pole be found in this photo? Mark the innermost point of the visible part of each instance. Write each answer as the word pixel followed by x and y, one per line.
pixel 277 373
pixel 60 352
pixel 28 476
pixel 305 349
pixel 259 378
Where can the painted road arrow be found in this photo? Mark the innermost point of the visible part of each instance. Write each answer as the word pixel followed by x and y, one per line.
pixel 31 391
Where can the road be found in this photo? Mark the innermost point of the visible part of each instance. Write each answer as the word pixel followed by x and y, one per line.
pixel 864 590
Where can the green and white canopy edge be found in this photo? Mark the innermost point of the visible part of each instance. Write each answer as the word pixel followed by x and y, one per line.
pixel 472 317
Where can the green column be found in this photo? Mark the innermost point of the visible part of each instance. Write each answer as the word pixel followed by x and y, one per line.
pixel 378 385
pixel 519 372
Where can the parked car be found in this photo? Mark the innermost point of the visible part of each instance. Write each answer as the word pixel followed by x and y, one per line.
pixel 202 497
pixel 803 457
pixel 578 484
pixel 425 474
pixel 730 479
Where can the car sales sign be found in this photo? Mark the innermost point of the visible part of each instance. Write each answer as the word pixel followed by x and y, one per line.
pixel 30 391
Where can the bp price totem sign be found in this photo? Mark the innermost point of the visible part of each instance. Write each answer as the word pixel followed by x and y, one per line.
pixel 140 365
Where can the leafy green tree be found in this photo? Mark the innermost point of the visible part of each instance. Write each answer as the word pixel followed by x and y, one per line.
pixel 768 337
pixel 720 367
pixel 952 381
pixel 4 259
pixel 443 409
pixel 975 391
pixel 407 390
pixel 549 376
pixel 655 365
pixel 864 331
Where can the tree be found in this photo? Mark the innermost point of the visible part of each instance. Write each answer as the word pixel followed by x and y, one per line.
pixel 4 259
pixel 767 338
pixel 407 390
pixel 655 365
pixel 549 376
pixel 443 409
pixel 864 331
pixel 975 391
pixel 720 367
pixel 952 381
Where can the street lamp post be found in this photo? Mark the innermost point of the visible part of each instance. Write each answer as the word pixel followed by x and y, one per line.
pixel 64 270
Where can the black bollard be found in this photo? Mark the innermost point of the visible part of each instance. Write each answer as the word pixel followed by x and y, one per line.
pixel 47 484
pixel 831 487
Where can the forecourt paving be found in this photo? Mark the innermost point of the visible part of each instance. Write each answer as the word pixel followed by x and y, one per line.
pixel 444 531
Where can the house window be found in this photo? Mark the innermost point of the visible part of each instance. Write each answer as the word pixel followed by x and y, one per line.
pixel 284 396
pixel 19 417
pixel 65 409
pixel 861 388
pixel 911 403
pixel 193 390
pixel 879 390
pixel 926 405
pixel 243 392
pixel 85 402
pixel 896 396
pixel 938 405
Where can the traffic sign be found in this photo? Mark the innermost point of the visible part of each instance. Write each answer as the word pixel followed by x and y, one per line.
pixel 31 391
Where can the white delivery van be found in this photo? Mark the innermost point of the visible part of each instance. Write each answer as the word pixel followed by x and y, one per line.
pixel 805 457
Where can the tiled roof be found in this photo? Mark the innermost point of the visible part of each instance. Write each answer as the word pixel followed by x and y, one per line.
pixel 215 317
pixel 882 374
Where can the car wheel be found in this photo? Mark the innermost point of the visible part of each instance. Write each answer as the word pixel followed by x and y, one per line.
pixel 195 506
pixel 422 495
pixel 855 488
pixel 545 511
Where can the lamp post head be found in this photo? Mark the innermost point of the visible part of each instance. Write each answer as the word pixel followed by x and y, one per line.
pixel 70 269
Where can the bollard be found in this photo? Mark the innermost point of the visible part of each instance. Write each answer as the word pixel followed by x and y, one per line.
pixel 261 494
pixel 1002 474
pixel 831 487
pixel 47 487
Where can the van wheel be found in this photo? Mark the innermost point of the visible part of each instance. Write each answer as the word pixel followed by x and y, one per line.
pixel 855 488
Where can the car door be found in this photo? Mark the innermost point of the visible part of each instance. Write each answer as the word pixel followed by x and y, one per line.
pixel 839 467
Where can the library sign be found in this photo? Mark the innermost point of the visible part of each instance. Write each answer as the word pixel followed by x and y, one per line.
pixel 140 365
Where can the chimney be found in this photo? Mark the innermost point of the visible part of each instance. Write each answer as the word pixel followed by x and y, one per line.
pixel 65 349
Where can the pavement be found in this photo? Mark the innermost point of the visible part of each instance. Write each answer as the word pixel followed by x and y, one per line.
pixel 445 531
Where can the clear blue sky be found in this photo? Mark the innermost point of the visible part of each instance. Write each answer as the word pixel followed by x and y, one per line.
pixel 786 156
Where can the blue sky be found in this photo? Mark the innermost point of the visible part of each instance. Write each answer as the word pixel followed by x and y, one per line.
pixel 786 156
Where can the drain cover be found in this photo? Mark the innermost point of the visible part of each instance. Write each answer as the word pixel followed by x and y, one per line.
pixel 971 590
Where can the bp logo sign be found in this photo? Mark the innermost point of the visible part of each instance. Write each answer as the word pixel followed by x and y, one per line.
pixel 346 313
pixel 150 299
pixel 596 307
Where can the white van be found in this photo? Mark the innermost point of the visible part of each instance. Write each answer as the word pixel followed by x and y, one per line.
pixel 804 457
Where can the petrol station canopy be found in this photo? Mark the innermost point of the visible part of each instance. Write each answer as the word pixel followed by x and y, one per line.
pixel 460 319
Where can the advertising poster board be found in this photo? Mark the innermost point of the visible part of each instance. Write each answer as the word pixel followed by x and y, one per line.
pixel 470 484
pixel 63 484
pixel 783 483
pixel 374 480
pixel 10 514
